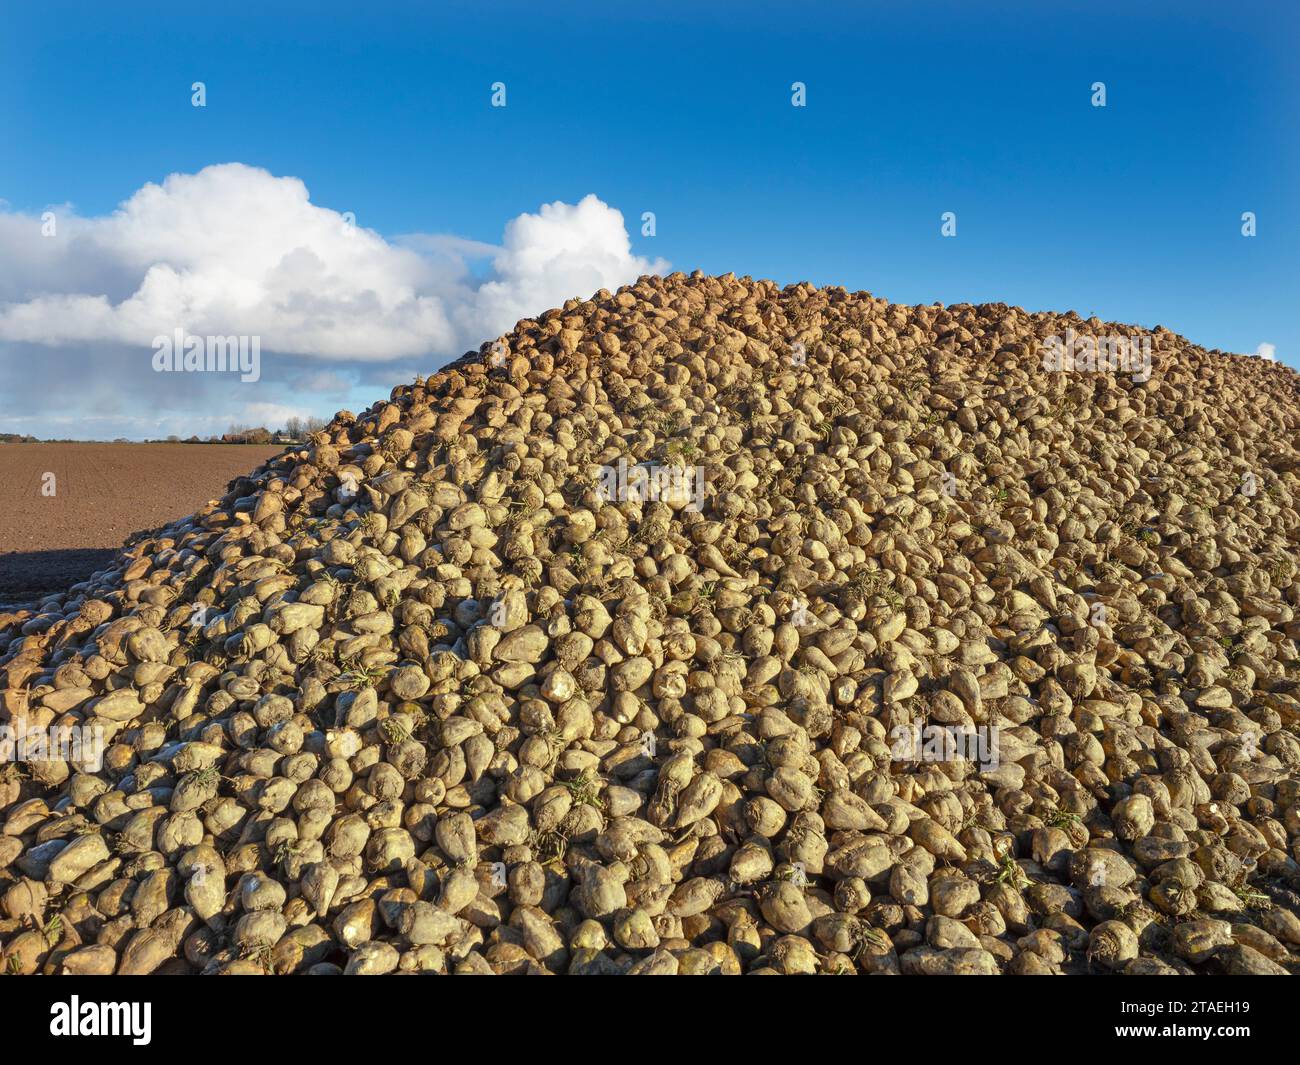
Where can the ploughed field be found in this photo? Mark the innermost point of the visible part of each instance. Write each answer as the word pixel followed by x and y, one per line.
pixel 102 493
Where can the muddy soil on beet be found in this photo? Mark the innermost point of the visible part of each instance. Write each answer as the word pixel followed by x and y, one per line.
pixel 102 494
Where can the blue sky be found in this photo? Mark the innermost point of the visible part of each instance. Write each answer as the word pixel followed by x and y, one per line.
pixel 1131 211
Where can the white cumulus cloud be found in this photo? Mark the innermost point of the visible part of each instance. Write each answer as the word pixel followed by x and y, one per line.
pixel 235 250
pixel 343 313
pixel 1266 351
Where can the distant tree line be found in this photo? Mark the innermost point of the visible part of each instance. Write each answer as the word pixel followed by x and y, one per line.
pixel 295 431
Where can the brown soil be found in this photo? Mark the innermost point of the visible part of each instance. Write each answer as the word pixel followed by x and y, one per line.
pixel 103 494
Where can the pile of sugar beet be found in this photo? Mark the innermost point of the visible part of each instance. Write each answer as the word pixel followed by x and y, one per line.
pixel 420 696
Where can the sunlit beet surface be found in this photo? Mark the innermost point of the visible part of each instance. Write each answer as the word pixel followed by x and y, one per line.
pixel 703 626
